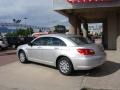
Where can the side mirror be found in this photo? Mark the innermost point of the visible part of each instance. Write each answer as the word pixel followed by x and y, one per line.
pixel 30 44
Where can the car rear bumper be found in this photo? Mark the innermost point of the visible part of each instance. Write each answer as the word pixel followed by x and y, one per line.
pixel 87 63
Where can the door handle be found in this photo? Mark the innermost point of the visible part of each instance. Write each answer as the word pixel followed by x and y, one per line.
pixel 56 48
pixel 39 47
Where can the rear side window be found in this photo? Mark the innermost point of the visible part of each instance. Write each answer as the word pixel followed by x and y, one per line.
pixel 57 42
pixel 80 40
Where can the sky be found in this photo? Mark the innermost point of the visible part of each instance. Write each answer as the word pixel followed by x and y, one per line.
pixel 38 12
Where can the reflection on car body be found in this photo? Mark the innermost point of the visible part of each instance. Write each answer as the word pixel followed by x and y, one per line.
pixel 66 52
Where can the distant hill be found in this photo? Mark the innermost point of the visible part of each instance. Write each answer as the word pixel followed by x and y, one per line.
pixel 5 30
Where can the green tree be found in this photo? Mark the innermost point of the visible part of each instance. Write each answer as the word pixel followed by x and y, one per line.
pixel 21 32
pixel 11 34
pixel 60 29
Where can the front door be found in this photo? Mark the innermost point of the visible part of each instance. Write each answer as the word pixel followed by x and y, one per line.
pixel 52 49
pixel 35 51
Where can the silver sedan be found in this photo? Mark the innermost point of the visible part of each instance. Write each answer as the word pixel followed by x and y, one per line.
pixel 66 52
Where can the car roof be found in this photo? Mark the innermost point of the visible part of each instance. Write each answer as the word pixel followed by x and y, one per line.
pixel 60 35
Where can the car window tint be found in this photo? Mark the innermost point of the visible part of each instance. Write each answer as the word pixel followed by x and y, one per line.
pixel 80 40
pixel 40 41
pixel 36 42
pixel 48 41
pixel 57 42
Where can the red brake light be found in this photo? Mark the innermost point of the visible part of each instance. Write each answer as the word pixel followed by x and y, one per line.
pixel 86 51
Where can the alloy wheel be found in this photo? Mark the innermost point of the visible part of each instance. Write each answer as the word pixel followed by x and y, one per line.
pixel 65 66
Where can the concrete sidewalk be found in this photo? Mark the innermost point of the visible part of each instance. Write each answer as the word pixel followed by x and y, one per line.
pixel 107 76
pixel 17 76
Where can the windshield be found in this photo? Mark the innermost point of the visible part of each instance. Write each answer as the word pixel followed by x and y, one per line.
pixel 80 40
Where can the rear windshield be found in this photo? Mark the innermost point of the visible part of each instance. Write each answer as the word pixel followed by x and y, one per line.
pixel 80 40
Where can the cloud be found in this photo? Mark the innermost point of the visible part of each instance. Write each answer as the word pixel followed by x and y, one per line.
pixel 38 12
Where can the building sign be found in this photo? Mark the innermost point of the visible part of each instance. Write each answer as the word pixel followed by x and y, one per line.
pixel 87 1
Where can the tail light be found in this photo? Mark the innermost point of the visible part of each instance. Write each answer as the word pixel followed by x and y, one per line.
pixel 86 51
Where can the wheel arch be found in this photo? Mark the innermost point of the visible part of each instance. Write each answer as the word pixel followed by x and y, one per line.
pixel 23 51
pixel 20 50
pixel 58 58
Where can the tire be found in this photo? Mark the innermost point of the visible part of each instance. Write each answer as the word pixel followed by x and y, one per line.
pixel 65 66
pixel 22 57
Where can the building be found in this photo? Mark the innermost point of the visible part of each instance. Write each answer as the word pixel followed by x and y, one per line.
pixel 95 28
pixel 106 12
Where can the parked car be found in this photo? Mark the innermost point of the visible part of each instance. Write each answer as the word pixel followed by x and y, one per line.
pixel 66 52
pixel 3 44
pixel 14 42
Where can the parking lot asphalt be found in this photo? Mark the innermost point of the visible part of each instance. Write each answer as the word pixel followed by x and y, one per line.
pixel 33 76
pixel 7 56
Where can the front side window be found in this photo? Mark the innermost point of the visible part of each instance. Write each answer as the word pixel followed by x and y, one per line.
pixel 36 42
pixel 40 41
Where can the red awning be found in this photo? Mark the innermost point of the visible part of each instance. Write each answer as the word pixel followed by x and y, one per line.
pixel 86 1
pixel 37 34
